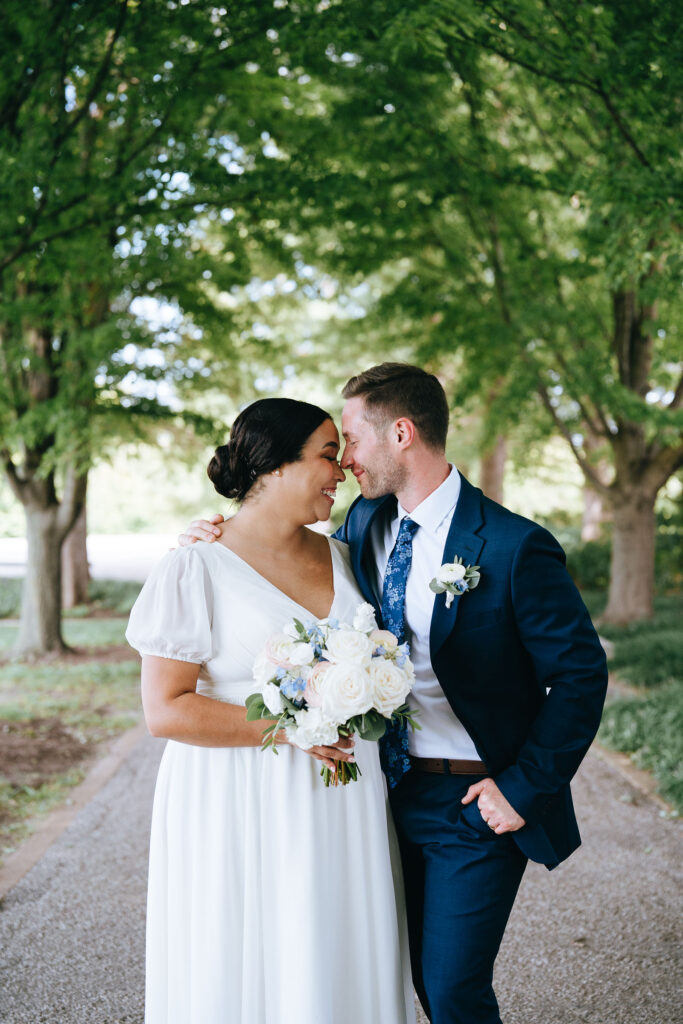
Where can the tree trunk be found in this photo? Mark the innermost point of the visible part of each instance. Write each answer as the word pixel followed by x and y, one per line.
pixel 40 623
pixel 492 469
pixel 48 521
pixel 75 571
pixel 631 588
pixel 594 514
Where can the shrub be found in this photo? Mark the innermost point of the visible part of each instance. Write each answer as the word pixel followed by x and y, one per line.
pixel 650 729
pixel 116 596
pixel 650 657
pixel 588 564
pixel 589 561
pixel 10 598
pixel 668 616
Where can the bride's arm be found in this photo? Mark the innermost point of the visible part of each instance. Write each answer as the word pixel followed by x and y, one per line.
pixel 174 710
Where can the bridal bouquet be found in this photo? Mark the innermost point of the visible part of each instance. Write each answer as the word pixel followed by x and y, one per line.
pixel 327 679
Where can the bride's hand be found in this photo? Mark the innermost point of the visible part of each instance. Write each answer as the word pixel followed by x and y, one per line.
pixel 341 751
pixel 202 529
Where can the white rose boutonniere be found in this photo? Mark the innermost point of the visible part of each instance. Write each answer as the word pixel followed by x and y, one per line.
pixel 364 619
pixel 455 579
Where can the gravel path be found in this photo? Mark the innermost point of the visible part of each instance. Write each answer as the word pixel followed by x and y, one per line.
pixel 594 942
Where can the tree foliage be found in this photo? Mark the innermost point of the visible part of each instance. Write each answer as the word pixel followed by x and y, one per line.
pixel 111 165
pixel 494 188
pixel 512 173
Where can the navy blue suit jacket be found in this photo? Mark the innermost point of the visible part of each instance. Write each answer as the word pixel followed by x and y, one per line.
pixel 518 659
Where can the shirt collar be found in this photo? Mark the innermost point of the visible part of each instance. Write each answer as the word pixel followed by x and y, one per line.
pixel 437 506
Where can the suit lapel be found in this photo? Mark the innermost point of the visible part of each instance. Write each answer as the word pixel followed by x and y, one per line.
pixel 462 541
pixel 362 557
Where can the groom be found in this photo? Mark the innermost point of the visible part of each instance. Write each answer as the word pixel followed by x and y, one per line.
pixel 510 682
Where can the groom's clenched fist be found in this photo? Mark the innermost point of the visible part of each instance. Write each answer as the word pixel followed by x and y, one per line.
pixel 498 814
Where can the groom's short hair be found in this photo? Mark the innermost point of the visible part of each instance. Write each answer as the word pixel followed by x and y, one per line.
pixel 393 390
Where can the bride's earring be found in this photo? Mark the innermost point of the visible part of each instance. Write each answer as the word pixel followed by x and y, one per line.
pixel 277 472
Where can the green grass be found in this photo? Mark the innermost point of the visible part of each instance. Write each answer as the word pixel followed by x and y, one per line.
pixel 94 700
pixel 22 806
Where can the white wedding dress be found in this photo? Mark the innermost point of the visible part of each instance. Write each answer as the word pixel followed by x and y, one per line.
pixel 272 900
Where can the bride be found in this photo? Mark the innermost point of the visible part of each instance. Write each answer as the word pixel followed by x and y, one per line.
pixel 272 900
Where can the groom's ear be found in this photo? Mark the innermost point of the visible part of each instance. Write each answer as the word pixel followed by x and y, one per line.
pixel 404 432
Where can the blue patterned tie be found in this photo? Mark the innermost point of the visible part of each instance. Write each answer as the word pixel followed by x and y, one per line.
pixel 393 747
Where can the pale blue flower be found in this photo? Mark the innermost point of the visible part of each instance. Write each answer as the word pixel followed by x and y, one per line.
pixel 293 688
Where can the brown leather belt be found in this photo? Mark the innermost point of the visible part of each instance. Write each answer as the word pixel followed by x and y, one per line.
pixel 448 766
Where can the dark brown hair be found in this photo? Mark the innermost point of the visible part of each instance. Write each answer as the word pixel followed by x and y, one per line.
pixel 265 435
pixel 393 390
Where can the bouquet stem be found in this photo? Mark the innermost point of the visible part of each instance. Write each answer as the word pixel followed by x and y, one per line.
pixel 347 771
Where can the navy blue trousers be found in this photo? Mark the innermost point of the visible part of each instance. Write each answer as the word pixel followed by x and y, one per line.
pixel 461 880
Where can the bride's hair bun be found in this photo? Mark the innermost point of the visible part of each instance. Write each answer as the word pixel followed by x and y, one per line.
pixel 228 473
pixel 267 434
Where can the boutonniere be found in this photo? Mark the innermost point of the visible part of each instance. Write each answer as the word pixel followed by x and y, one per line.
pixel 455 579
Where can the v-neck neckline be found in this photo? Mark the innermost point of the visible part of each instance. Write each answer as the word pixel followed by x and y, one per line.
pixel 272 586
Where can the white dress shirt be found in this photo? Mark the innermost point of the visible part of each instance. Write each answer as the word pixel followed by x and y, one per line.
pixel 442 734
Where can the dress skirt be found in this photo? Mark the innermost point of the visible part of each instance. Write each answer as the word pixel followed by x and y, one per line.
pixel 273 899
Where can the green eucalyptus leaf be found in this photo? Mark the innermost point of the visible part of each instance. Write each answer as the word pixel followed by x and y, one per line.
pixel 255 707
pixel 373 726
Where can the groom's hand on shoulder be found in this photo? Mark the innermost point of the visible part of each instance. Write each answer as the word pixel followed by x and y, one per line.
pixel 202 529
pixel 499 815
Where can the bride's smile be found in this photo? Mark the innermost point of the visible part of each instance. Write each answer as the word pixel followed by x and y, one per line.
pixel 308 487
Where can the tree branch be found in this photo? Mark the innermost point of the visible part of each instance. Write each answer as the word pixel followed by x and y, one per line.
pixel 665 464
pixel 95 87
pixel 73 499
pixel 18 486
pixel 512 58
pixel 584 465
pixel 623 130
pixel 678 395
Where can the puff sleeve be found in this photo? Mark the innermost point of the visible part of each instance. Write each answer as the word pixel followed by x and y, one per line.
pixel 173 613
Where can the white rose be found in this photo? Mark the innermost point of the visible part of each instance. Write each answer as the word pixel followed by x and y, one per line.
pixel 282 650
pixel 383 638
pixel 390 685
pixel 364 619
pixel 301 654
pixel 346 691
pixel 312 729
pixel 272 698
pixel 264 669
pixel 451 572
pixel 349 645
